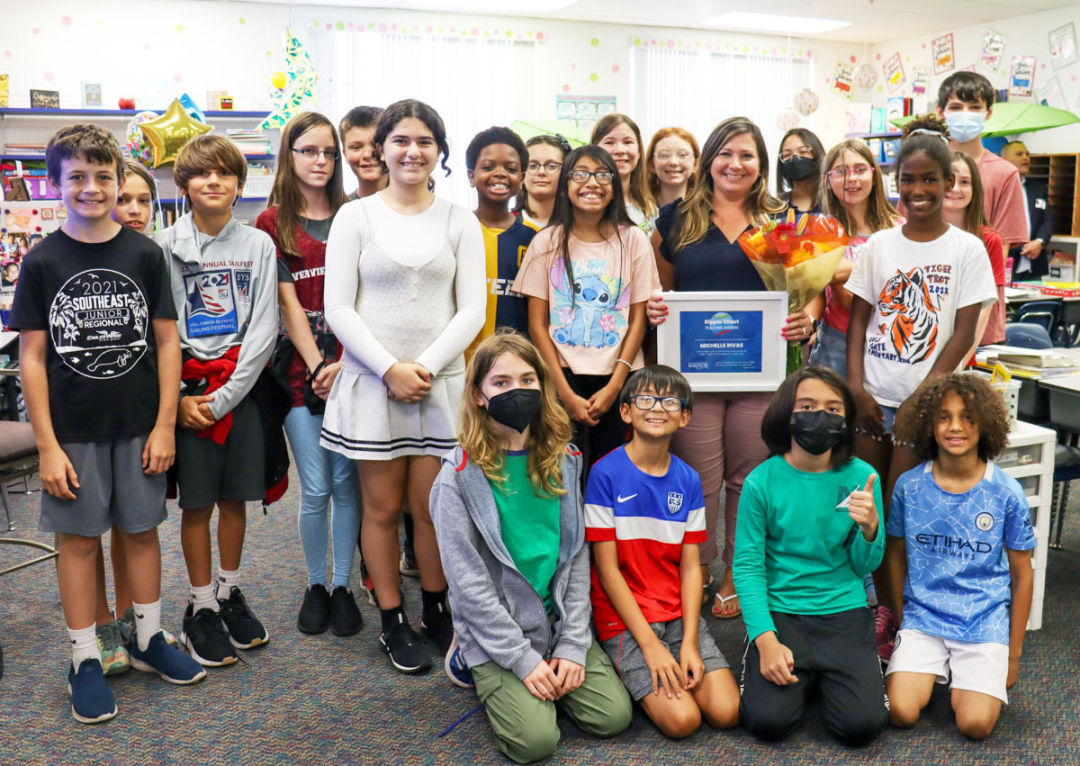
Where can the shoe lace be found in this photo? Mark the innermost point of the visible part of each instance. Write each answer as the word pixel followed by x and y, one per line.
pixel 111 637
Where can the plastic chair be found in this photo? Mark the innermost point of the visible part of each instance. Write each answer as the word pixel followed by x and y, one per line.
pixel 1045 313
pixel 1027 335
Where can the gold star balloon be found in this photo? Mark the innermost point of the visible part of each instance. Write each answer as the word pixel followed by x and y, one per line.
pixel 170 131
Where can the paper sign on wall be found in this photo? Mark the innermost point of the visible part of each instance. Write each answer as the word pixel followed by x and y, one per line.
pixel 993 47
pixel 920 78
pixel 1021 76
pixel 1063 46
pixel 1051 94
pixel 894 72
pixel 842 77
pixel 942 51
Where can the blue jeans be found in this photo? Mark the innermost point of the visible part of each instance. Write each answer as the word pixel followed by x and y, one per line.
pixel 830 349
pixel 323 475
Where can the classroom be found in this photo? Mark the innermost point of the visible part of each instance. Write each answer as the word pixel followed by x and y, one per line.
pixel 328 180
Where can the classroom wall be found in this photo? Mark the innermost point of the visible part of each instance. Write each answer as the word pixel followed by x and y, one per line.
pixel 1026 35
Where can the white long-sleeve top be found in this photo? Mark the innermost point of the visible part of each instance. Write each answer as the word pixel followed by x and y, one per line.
pixel 404 288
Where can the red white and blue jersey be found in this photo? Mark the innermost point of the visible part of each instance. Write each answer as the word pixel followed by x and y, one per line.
pixel 650 518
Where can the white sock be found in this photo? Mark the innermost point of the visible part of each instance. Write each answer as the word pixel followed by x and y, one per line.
pixel 84 645
pixel 227 579
pixel 147 623
pixel 202 597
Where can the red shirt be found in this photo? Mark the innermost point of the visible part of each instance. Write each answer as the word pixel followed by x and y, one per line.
pixel 1003 199
pixel 995 249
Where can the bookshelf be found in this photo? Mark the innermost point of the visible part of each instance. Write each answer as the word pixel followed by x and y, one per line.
pixel 1062 175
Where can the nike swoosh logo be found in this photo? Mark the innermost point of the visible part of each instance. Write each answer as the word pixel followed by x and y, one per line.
pixel 622 499
pixel 140 616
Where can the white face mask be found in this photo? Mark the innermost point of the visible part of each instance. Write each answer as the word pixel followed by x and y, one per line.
pixel 965 126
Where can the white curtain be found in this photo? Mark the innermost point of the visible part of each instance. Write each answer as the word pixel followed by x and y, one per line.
pixel 698 89
pixel 472 83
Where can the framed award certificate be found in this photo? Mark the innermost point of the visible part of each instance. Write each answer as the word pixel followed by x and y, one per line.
pixel 725 341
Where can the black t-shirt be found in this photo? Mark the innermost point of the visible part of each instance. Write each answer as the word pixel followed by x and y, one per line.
pixel 711 263
pixel 97 302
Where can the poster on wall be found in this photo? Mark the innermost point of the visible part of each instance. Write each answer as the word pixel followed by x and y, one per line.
pixel 993 47
pixel 1063 46
pixel 1051 94
pixel 584 111
pixel 1021 75
pixel 942 50
pixel 842 77
pixel 894 72
pixel 920 79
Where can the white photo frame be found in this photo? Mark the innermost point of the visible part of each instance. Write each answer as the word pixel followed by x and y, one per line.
pixel 725 341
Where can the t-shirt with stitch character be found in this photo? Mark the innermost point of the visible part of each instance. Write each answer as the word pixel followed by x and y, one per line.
pixel 589 315
pixel 650 518
pixel 958 581
pixel 914 290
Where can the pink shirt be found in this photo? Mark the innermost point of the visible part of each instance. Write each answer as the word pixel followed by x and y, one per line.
pixel 1003 199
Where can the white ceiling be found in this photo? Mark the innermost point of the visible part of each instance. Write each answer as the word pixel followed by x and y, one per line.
pixel 873 21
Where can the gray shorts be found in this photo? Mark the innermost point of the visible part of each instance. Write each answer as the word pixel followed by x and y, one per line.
pixel 630 662
pixel 207 472
pixel 113 491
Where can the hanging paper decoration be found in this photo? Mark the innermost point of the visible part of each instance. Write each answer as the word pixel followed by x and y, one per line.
pixel 787 120
pixel 993 47
pixel 894 72
pixel 189 106
pixel 1021 75
pixel 806 102
pixel 842 77
pixel 920 79
pixel 942 51
pixel 170 131
pixel 300 85
pixel 136 145
pixel 865 75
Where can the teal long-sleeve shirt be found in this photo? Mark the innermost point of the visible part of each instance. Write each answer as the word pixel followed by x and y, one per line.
pixel 796 549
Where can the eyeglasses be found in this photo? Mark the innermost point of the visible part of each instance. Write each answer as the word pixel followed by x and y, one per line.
pixel 805 152
pixel 602 176
pixel 664 156
pixel 550 167
pixel 841 172
pixel 311 153
pixel 647 402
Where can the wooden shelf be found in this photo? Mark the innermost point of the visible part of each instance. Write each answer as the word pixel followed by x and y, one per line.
pixel 1062 175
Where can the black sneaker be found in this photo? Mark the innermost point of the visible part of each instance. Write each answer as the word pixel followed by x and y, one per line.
pixel 245 630
pixel 205 638
pixel 315 611
pixel 405 647
pixel 345 619
pixel 438 626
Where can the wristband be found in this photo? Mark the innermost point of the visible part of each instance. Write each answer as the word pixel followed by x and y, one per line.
pixel 623 361
pixel 315 373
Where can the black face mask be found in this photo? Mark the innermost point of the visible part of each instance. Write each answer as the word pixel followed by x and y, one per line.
pixel 817 432
pixel 798 168
pixel 515 409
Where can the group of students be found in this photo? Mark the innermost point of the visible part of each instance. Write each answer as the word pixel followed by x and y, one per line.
pixel 548 290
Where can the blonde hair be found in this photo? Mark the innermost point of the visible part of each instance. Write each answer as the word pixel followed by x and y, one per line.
pixel 549 433
pixel 696 210
pixel 660 135
pixel 880 214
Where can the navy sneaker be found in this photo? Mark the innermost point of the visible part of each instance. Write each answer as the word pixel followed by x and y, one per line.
pixel 245 630
pixel 456 668
pixel 171 664
pixel 407 651
pixel 205 637
pixel 92 700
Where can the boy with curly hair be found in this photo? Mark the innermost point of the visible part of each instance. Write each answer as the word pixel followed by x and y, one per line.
pixel 960 541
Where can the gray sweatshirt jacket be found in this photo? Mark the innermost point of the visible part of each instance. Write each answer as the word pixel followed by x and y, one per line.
pixel 498 615
pixel 225 290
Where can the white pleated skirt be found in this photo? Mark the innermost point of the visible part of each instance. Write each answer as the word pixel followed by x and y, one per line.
pixel 362 423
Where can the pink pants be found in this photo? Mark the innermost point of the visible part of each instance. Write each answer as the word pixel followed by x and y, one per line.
pixel 723 444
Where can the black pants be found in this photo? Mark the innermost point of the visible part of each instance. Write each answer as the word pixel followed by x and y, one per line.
pixel 610 433
pixel 836 651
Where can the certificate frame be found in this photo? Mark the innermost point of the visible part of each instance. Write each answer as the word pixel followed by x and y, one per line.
pixel 757 360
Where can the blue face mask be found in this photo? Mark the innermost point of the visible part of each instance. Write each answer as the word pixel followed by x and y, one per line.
pixel 965 126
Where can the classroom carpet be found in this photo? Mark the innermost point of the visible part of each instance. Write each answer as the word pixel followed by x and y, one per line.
pixel 327 700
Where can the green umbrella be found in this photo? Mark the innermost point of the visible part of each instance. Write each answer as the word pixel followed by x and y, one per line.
pixel 1012 117
pixel 568 129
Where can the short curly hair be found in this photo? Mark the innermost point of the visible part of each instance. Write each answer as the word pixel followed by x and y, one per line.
pixel 916 418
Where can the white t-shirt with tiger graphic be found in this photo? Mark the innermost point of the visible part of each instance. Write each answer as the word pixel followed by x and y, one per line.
pixel 915 290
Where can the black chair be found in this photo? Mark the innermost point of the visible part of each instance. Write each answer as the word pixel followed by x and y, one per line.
pixel 1027 335
pixel 1045 313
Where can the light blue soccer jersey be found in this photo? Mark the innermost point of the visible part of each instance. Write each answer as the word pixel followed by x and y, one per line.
pixel 957 585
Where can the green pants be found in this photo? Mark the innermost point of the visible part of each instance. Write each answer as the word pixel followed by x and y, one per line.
pixel 525 726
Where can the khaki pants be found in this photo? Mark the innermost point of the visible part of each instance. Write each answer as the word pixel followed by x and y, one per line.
pixel 525 726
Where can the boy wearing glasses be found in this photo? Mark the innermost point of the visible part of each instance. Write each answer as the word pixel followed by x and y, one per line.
pixel 224 285
pixel 645 517
pixel 496 159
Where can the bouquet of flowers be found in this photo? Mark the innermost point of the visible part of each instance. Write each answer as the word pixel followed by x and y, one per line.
pixel 798 255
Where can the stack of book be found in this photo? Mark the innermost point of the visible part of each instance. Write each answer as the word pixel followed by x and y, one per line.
pixel 25 150
pixel 252 142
